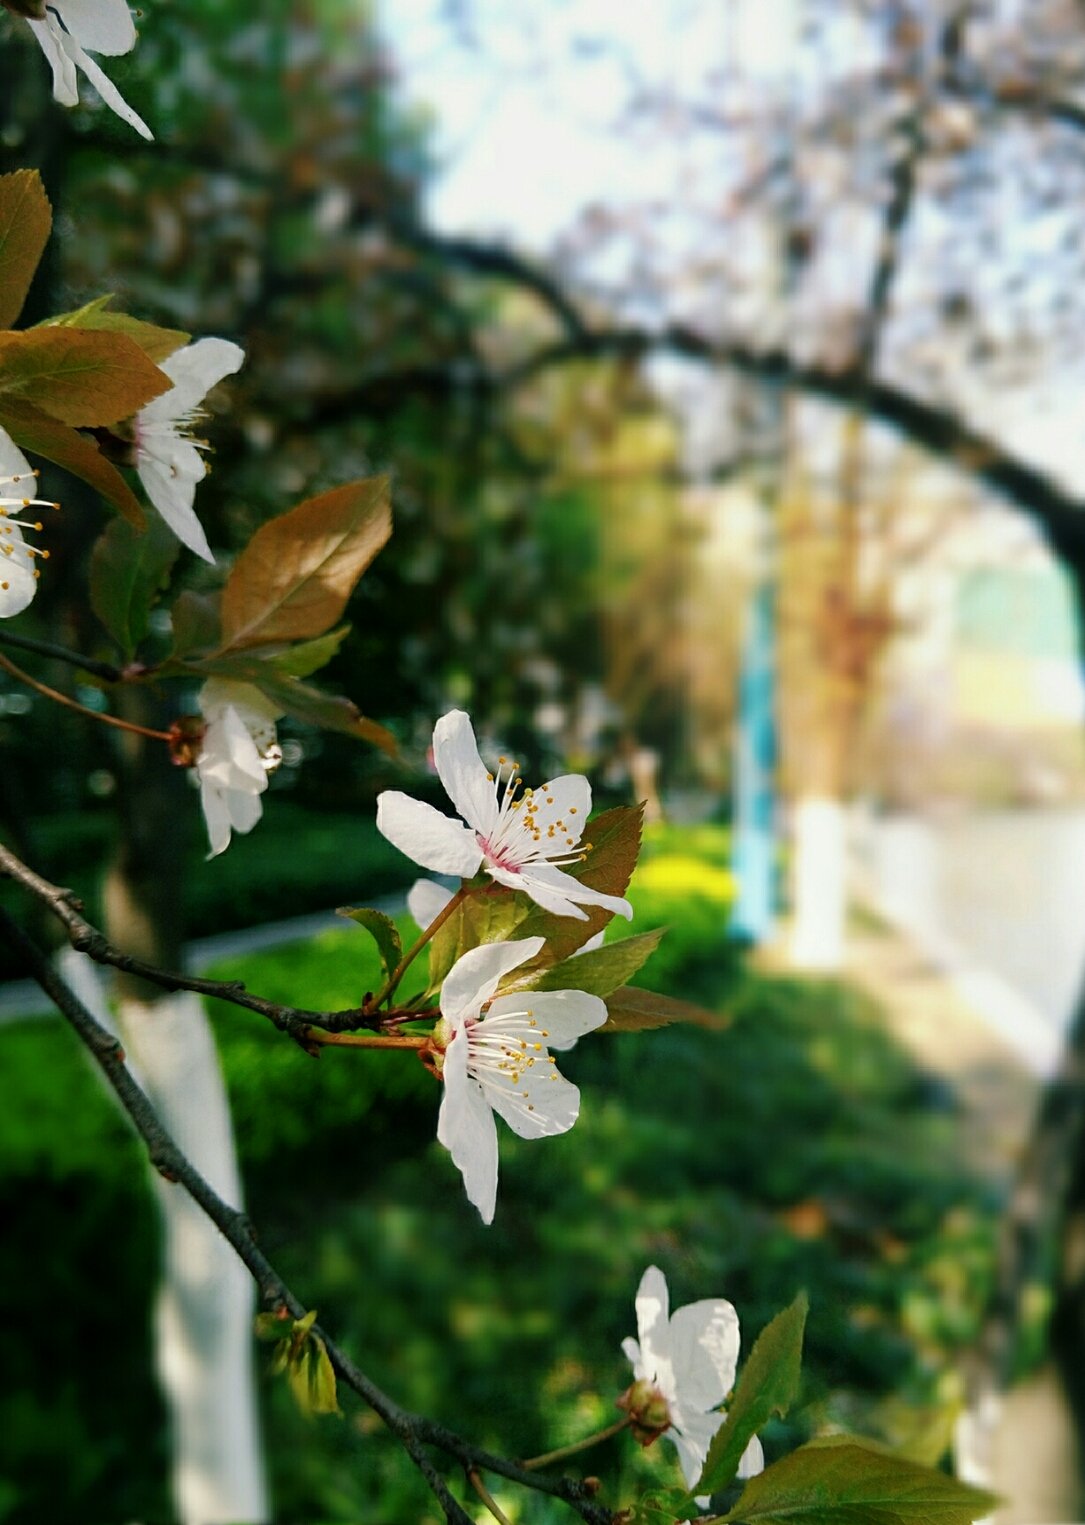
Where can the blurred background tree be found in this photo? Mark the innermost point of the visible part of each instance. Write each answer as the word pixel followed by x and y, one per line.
pixel 877 215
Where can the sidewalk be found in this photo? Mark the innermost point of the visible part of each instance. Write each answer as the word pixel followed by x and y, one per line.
pixel 928 1011
pixel 949 1036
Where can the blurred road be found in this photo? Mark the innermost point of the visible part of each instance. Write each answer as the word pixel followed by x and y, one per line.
pixel 995 899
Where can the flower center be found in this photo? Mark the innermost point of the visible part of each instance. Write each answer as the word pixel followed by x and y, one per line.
pixel 12 545
pixel 528 830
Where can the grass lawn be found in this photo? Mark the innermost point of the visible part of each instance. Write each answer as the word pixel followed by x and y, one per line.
pixel 796 1148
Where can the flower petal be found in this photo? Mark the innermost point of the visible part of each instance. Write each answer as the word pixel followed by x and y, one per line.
pixel 653 1329
pixel 170 469
pixel 541 880
pixel 753 1459
pixel 704 1350
pixel 426 836
pixel 48 33
pixel 563 803
pixel 474 977
pixel 566 1015
pixel 537 1104
pixel 103 26
pixel 105 87
pixel 463 773
pixel 465 1126
pixel 692 1442
pixel 426 900
pixel 194 370
pixel 631 1351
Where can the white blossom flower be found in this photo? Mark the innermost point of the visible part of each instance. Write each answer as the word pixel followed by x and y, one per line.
pixel 18 574
pixel 238 751
pixel 684 1366
pixel 167 459
pixel 499 1060
pixel 521 839
pixel 67 30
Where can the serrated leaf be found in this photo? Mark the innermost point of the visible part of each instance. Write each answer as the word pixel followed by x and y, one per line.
pixel 600 971
pixel 128 571
pixel 293 579
pixel 852 1484
pixel 615 846
pixel 32 430
pixel 155 342
pixel 26 219
pixel 82 379
pixel 768 1385
pixel 633 1010
pixel 383 931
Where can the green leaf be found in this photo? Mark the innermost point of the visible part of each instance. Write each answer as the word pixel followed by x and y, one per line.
pixel 769 1385
pixel 323 1394
pixel 307 657
pixel 293 579
pixel 491 914
pixel 196 624
pixel 82 379
pixel 128 571
pixel 32 430
pixel 599 971
pixel 662 1506
pixel 383 931
pixel 848 1483
pixel 25 223
pixel 156 343
pixel 615 845
pixel 632 1010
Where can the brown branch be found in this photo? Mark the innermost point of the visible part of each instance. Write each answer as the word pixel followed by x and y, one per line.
pixel 104 670
pixel 413 1431
pixel 80 709
pixel 85 938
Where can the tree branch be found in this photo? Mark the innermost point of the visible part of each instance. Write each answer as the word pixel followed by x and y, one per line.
pixel 87 939
pixel 413 1431
pixel 104 670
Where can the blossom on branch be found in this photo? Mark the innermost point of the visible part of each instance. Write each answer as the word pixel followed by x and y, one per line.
pixel 18 574
pixel 499 1060
pixel 238 751
pixel 684 1367
pixel 168 459
pixel 520 837
pixel 68 31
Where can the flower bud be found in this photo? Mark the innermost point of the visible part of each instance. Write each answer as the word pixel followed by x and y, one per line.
pixel 186 740
pixel 647 1409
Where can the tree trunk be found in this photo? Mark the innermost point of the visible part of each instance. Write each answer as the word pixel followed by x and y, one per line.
pixel 206 1301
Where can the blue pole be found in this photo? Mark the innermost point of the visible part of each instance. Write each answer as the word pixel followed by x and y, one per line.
pixel 754 827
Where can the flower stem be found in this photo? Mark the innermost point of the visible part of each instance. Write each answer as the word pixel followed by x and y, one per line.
pixel 487 1498
pixel 321 1039
pixel 80 709
pixel 577 1445
pixel 412 952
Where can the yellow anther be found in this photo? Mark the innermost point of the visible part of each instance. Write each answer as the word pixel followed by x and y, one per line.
pixel 572 810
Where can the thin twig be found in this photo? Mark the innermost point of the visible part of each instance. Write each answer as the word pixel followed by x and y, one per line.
pixel 104 670
pixel 415 949
pixel 81 709
pixel 413 1431
pixel 487 1498
pixel 87 939
pixel 414 1041
pixel 564 1452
